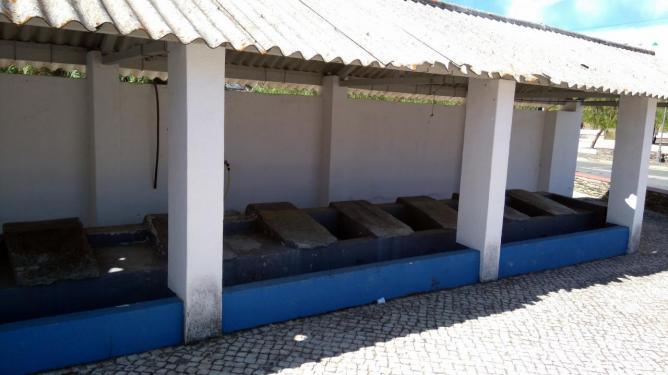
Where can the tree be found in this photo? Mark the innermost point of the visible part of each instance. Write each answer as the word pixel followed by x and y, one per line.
pixel 601 118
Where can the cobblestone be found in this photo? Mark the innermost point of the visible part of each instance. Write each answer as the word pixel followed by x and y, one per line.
pixel 605 317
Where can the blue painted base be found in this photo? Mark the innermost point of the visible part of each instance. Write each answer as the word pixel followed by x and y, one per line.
pixel 559 251
pixel 71 339
pixel 255 304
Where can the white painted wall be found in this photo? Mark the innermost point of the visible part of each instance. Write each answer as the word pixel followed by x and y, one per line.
pixel 485 157
pixel 137 158
pixel 44 152
pixel 398 149
pixel 525 150
pixel 274 144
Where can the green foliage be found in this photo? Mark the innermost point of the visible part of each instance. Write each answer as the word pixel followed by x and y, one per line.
pixel 136 80
pixel 602 118
pixel 30 70
pixel 402 99
pixel 272 90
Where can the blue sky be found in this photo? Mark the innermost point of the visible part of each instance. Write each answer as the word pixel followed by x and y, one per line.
pixel 642 23
pixel 579 15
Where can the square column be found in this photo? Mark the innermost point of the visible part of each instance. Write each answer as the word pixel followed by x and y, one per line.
pixel 626 204
pixel 489 115
pixel 104 101
pixel 559 155
pixel 333 99
pixel 196 170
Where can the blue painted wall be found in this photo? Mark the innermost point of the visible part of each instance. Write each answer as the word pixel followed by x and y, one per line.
pixel 271 301
pixel 559 251
pixel 70 339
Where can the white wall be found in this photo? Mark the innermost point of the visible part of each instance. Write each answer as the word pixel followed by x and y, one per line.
pixel 44 152
pixel 137 157
pixel 525 150
pixel 274 144
pixel 399 149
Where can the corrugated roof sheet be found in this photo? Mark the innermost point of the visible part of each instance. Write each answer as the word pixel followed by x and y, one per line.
pixel 397 34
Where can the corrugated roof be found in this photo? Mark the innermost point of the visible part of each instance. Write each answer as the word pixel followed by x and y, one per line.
pixel 398 34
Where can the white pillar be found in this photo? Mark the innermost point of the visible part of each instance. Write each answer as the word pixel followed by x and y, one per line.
pixel 105 124
pixel 196 130
pixel 633 140
pixel 489 115
pixel 559 154
pixel 333 99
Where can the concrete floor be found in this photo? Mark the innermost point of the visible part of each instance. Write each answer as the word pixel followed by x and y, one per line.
pixel 605 317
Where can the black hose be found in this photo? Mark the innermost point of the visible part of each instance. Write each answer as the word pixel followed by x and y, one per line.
pixel 157 136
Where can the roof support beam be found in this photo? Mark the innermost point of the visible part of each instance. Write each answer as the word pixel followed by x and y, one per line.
pixel 489 115
pixel 196 173
pixel 366 83
pixel 141 50
pixel 272 75
pixel 626 203
pixel 613 103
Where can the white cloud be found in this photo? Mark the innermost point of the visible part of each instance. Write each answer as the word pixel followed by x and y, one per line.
pixel 657 7
pixel 529 10
pixel 649 37
pixel 589 7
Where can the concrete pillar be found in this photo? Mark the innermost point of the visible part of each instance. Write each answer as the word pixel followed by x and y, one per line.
pixel 489 115
pixel 559 155
pixel 333 108
pixel 196 130
pixel 104 104
pixel 635 122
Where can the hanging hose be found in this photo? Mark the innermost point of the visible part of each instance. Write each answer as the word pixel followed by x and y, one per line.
pixel 228 178
pixel 157 136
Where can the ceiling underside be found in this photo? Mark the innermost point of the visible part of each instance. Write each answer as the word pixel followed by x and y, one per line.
pixel 65 47
pixel 404 37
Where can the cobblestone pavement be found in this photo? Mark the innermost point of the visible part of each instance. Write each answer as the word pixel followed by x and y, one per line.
pixel 606 317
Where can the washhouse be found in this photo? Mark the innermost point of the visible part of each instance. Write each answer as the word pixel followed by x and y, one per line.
pixel 176 170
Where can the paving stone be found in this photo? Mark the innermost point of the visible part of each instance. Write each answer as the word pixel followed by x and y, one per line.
pixel 436 213
pixel 43 252
pixel 365 219
pixel 604 317
pixel 290 225
pixel 541 202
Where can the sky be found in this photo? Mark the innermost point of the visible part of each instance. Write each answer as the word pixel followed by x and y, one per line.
pixel 642 23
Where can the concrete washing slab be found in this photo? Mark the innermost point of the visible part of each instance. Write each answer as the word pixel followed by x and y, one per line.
pixel 541 202
pixel 157 225
pixel 291 225
pixel 512 214
pixel 43 252
pixel 436 213
pixel 364 219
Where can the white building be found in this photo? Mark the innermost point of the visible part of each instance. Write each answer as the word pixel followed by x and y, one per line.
pixel 87 148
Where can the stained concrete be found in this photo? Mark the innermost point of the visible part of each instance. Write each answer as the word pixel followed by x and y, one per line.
pixel 129 258
pixel 365 219
pixel 157 225
pixel 290 225
pixel 437 213
pixel 510 213
pixel 541 202
pixel 44 252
